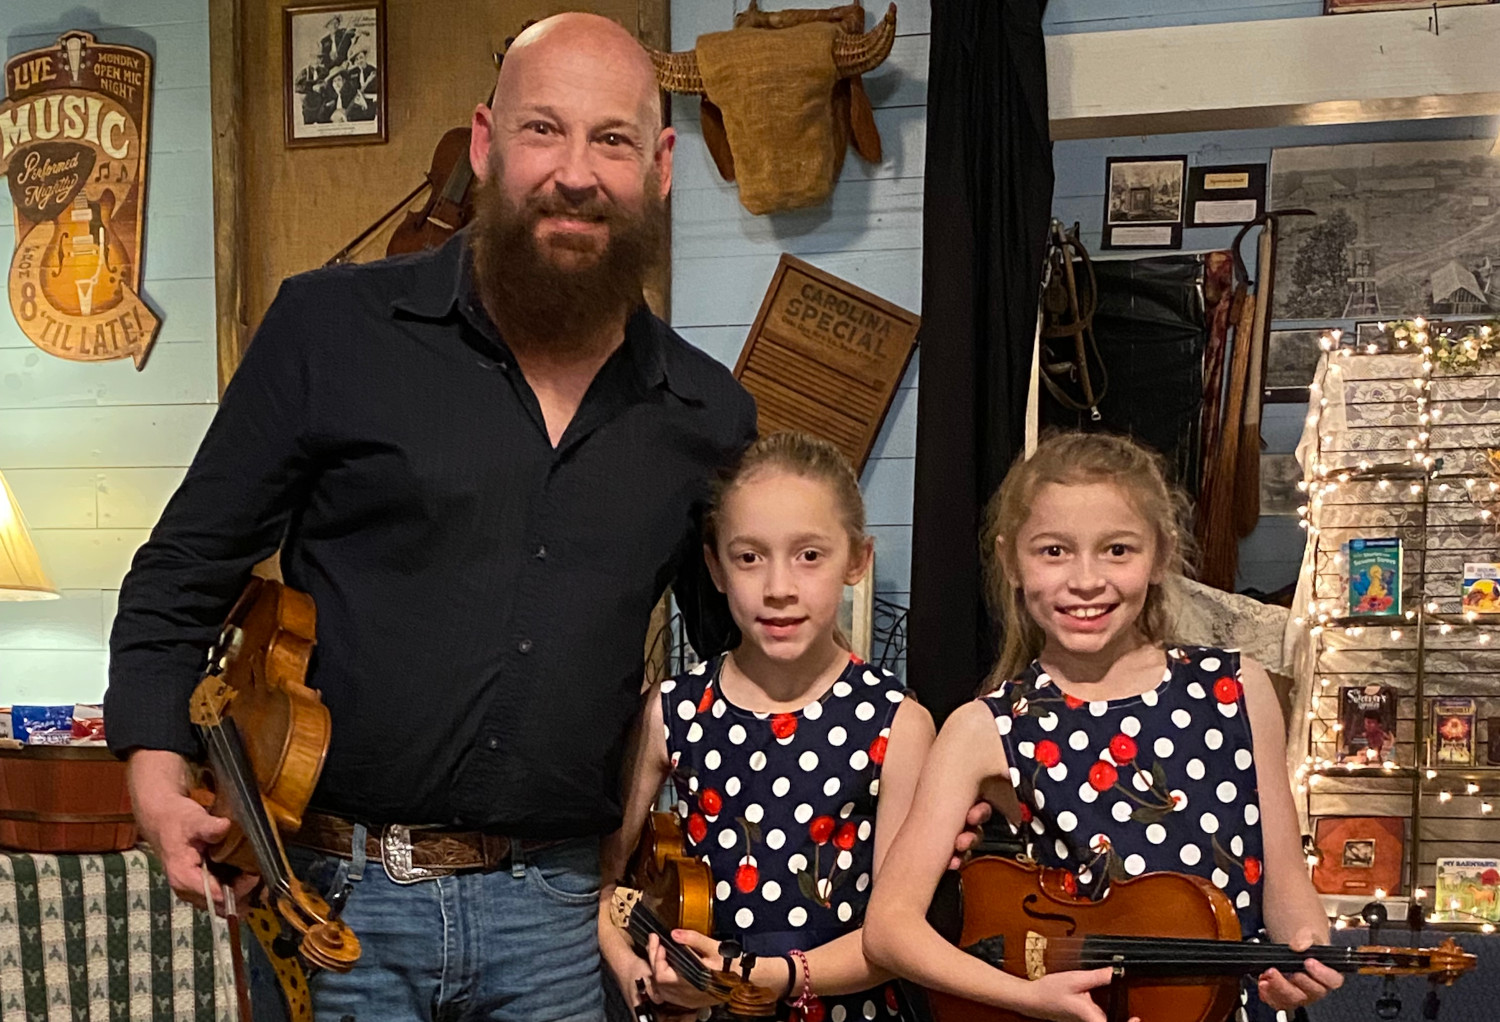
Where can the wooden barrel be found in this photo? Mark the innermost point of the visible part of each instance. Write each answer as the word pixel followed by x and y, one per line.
pixel 64 798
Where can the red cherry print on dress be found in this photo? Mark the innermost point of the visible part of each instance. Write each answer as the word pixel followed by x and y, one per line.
pixel 697 828
pixel 1226 690
pixel 821 829
pixel 877 749
pixel 1025 813
pixel 1102 776
pixel 1047 753
pixel 891 1004
pixel 1070 883
pixel 1072 702
pixel 854 659
pixel 710 801
pixel 814 1012
pixel 784 725
pixel 1252 869
pixel 844 839
pixel 747 877
pixel 707 700
pixel 1122 748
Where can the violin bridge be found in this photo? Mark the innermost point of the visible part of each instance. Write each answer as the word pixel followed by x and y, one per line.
pixel 1036 955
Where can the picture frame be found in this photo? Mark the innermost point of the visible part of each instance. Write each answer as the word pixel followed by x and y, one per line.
pixel 1358 855
pixel 1291 362
pixel 1143 201
pixel 1227 194
pixel 334 73
pixel 1357 6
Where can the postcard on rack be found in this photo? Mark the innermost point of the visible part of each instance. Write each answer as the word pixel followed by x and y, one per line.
pixel 1481 587
pixel 1466 891
pixel 1452 731
pixel 1374 576
pixel 1359 854
pixel 1367 720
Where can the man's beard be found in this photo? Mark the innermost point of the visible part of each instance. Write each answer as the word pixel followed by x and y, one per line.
pixel 563 290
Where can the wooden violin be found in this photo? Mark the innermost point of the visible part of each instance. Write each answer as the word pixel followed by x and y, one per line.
pixel 1173 941
pixel 267 734
pixel 667 889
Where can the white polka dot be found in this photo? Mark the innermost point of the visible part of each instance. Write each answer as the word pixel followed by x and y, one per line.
pixel 1048 723
pixel 1195 769
pixel 711 759
pixel 894 695
pixel 682 809
pixel 1135 865
pixel 1213 738
pixel 1220 878
pixel 770 890
pixel 1179 800
pixel 1015 777
pixel 864 711
pixel 1098 708
pixel 839 1013
pixel 842 688
pixel 845 859
pixel 1085 876
pixel 732 786
pixel 1098 843
pixel 1182 718
pixel 803 813
pixel 1163 748
pixel 862 883
pixel 871 678
pixel 797 863
pixel 1209 822
pixel 875 787
pixel 699 667
pixel 1037 825
pixel 831 787
pixel 775 839
pixel 1141 780
pixel 737 734
pixel 695 731
pixel 728 838
pixel 1226 791
pixel 780 787
pixel 668 686
pixel 797 917
pixel 1156 833
pixel 837 736
pixel 1190 855
pixel 1149 698
pixel 1086 792
pixel 720 707
pixel 808 760
pixel 1229 709
pixel 1043 680
pixel 754 813
pixel 1209 663
pixel 845 810
pixel 1237 845
pixel 1027 749
pixel 1067 822
pixel 1078 741
pixel 1243 759
pixel 868 1010
pixel 1196 690
pixel 1121 811
pixel 1018 709
pixel 721 890
pixel 845 911
pixel 812 711
pixel 1252 813
pixel 757 760
pixel 693 783
pixel 686 709
pixel 1058 772
pixel 864 830
pixel 1130 726
pixel 1003 723
pixel 1039 798
pixel 1243 899
pixel 1061 848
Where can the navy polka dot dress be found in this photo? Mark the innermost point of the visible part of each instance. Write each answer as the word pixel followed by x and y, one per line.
pixel 782 807
pixel 1160 782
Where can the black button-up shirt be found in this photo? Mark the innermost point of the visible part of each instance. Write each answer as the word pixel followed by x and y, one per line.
pixel 482 596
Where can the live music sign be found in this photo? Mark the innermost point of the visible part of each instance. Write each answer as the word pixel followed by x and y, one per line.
pixel 73 130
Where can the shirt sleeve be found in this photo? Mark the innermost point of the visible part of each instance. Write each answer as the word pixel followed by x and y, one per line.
pixel 229 513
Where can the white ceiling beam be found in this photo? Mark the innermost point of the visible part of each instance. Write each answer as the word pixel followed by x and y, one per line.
pixel 1254 74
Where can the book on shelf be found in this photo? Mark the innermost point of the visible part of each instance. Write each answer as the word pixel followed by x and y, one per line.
pixel 1452 731
pixel 1374 576
pixel 1367 720
pixel 1466 891
pixel 1358 854
pixel 1481 593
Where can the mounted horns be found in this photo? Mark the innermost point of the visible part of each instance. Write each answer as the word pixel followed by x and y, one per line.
pixel 852 55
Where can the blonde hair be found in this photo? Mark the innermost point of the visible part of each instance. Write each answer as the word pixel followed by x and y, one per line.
pixel 1076 459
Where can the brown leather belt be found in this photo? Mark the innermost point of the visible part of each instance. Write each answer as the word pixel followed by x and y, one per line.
pixel 414 853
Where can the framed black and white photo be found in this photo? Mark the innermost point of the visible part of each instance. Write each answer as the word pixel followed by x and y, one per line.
pixel 1143 201
pixel 1291 360
pixel 334 78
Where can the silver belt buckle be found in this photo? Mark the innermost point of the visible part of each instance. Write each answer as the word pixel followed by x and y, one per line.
pixel 395 856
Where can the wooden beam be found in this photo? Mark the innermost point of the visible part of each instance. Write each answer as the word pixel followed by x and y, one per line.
pixel 225 104
pixel 1255 74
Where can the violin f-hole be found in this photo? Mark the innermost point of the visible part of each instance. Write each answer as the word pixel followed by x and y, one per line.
pixel 1056 917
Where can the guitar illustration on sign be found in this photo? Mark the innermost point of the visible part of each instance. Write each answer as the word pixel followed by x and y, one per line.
pixel 73 130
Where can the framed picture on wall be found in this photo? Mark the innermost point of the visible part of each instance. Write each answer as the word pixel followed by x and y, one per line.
pixel 1143 201
pixel 334 78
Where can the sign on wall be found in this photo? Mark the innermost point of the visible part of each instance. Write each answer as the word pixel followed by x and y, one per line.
pixel 73 130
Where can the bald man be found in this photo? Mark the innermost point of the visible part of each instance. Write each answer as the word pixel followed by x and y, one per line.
pixel 485 463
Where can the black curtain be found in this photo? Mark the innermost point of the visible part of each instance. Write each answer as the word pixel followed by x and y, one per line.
pixel 987 203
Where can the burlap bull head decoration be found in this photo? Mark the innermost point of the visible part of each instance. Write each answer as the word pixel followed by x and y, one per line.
pixel 782 99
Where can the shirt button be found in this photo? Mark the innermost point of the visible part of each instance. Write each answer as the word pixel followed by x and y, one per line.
pixel 524 645
pixel 541 552
pixel 492 744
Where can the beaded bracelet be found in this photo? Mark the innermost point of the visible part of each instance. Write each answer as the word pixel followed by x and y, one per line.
pixel 805 998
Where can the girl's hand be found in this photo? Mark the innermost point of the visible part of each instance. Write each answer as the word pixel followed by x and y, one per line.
pixel 665 986
pixel 1284 993
pixel 1064 996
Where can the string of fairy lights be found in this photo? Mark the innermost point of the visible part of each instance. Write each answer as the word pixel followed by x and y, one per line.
pixel 1452 350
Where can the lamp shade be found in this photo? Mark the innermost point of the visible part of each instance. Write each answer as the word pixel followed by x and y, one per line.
pixel 21 574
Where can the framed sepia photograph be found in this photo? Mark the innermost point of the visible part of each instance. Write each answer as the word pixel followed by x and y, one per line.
pixel 334 78
pixel 1291 361
pixel 1143 201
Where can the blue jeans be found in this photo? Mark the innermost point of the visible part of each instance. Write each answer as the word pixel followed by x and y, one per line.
pixel 514 945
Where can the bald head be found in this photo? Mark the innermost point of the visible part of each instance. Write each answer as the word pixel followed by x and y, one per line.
pixel 619 64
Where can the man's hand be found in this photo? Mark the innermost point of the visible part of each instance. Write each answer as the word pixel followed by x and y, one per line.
pixel 179 829
pixel 972 834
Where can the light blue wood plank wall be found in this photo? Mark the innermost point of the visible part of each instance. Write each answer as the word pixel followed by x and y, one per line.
pixel 94 450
